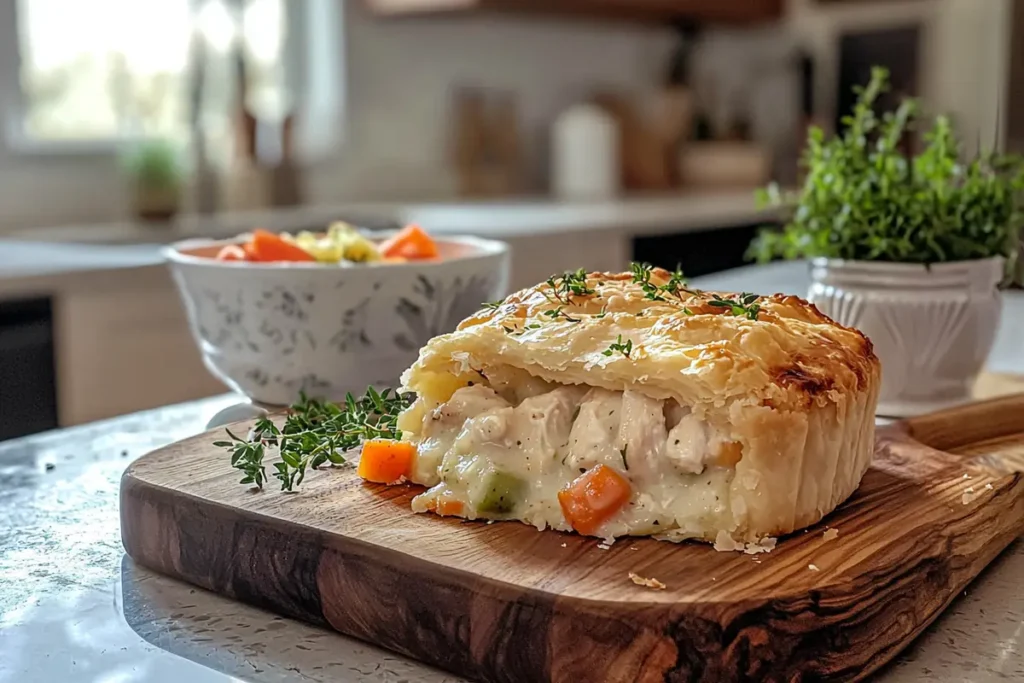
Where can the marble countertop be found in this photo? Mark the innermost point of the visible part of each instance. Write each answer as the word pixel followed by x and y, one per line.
pixel 73 607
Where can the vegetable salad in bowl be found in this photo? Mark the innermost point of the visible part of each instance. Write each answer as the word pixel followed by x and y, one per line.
pixel 328 312
pixel 341 244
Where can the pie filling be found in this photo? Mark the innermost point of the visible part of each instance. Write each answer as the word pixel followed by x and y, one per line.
pixel 506 453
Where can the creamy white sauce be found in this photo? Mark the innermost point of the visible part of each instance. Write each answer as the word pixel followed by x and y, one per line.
pixel 508 461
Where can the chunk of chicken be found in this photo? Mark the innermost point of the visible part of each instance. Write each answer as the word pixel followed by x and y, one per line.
pixel 594 439
pixel 687 445
pixel 447 422
pixel 541 426
pixel 642 433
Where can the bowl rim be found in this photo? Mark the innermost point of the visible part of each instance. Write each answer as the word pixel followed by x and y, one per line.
pixel 172 253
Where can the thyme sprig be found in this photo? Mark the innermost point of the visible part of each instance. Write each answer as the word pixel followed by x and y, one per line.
pixel 567 285
pixel 314 433
pixel 676 285
pixel 642 276
pixel 746 305
pixel 556 313
pixel 493 305
pixel 625 348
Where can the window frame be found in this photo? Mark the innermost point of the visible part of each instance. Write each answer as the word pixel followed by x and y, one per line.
pixel 312 60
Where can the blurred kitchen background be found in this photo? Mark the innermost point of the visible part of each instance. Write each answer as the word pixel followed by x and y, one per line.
pixel 583 132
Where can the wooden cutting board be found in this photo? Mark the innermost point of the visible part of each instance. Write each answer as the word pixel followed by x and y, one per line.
pixel 504 602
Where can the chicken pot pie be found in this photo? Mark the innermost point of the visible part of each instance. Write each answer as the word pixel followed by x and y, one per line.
pixel 627 404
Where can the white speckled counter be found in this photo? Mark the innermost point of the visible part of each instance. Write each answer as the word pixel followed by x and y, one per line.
pixel 73 607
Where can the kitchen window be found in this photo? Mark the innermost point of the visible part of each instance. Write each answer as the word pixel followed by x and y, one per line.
pixel 88 76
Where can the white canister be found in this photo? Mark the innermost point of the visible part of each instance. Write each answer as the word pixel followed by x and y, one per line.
pixel 585 154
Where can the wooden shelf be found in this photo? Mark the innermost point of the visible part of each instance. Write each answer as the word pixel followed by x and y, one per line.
pixel 733 12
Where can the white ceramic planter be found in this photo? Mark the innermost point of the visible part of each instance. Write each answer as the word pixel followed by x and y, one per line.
pixel 932 328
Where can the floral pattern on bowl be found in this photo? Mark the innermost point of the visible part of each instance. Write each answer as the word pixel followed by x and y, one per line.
pixel 271 331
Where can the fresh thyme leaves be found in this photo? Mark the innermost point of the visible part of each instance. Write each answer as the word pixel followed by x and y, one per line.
pixel 556 313
pixel 493 305
pixel 603 313
pixel 247 457
pixel 687 311
pixel 314 433
pixel 675 286
pixel 624 348
pixel 514 332
pixel 746 305
pixel 642 276
pixel 567 285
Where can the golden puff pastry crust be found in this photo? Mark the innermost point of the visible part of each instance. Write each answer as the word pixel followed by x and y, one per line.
pixel 795 389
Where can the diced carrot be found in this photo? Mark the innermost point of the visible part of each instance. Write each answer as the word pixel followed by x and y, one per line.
pixel 231 252
pixel 445 506
pixel 593 498
pixel 729 453
pixel 268 247
pixel 385 461
pixel 412 242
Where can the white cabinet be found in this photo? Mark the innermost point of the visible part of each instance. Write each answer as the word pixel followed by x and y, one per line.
pixel 123 344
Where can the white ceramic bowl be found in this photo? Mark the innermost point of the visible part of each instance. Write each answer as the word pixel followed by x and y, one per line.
pixel 271 330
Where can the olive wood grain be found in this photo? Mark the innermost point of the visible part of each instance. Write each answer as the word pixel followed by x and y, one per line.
pixel 504 602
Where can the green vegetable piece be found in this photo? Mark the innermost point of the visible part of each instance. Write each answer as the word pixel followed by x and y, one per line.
pixel 498 492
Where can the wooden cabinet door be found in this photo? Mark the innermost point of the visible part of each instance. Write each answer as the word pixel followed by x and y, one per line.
pixel 124 345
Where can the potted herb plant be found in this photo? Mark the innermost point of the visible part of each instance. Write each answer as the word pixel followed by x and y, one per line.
pixel 909 248
pixel 156 176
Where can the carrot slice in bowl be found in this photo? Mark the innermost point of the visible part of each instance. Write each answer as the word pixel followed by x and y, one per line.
pixel 267 247
pixel 411 243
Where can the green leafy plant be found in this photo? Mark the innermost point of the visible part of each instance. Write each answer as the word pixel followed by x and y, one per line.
pixel 154 164
pixel 864 198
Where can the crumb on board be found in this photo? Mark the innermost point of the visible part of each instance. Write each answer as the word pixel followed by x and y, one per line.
pixel 988 487
pixel 966 476
pixel 648 583
pixel 813 567
pixel 633 547
pixel 603 546
pixel 968 496
pixel 830 534
pixel 765 545
pixel 725 543
pixel 563 545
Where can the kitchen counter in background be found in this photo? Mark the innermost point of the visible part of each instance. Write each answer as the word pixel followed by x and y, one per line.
pixel 496 219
